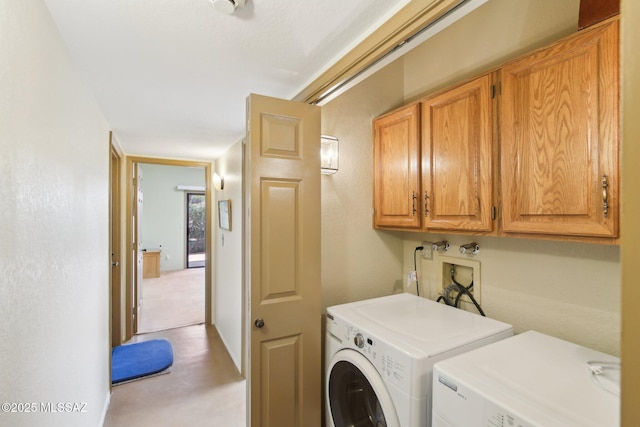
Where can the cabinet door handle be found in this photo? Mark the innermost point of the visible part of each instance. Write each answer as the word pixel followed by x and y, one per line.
pixel 426 207
pixel 413 203
pixel 605 196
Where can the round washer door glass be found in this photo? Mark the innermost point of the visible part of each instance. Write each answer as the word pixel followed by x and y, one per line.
pixel 356 394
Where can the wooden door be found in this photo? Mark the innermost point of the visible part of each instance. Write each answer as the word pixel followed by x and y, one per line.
pixel 457 158
pixel 282 262
pixel 115 215
pixel 559 137
pixel 396 174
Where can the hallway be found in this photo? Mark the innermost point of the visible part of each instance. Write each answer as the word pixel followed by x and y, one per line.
pixel 174 299
pixel 204 387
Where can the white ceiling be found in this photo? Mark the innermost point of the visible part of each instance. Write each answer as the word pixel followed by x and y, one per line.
pixel 172 76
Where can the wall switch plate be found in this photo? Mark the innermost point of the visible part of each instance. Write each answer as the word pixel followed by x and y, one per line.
pixel 427 252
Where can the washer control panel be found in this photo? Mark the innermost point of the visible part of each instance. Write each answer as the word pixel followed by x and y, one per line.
pixel 393 365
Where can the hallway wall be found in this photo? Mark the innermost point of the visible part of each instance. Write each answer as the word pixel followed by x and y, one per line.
pixel 228 299
pixel 54 260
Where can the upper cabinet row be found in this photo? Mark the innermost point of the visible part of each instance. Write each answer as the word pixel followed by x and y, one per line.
pixel 531 149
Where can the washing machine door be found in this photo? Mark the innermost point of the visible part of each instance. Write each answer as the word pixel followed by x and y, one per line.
pixel 356 394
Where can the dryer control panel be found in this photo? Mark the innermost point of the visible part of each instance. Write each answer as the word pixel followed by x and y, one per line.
pixel 393 365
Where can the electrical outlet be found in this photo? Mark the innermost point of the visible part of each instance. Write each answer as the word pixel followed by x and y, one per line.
pixel 427 251
pixel 465 272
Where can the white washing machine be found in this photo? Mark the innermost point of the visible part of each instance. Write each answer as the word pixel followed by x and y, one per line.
pixel 380 353
pixel 529 380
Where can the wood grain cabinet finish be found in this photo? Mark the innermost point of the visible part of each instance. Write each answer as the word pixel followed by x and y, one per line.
pixel 150 264
pixel 559 138
pixel 396 195
pixel 457 158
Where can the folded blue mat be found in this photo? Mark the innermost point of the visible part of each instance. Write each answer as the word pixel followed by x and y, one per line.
pixel 140 359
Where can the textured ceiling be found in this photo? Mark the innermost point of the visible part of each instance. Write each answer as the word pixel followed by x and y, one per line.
pixel 172 76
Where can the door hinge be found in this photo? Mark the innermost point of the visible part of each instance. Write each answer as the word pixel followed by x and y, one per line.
pixel 496 90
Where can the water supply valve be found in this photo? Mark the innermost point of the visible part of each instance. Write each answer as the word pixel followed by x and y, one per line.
pixel 442 245
pixel 470 248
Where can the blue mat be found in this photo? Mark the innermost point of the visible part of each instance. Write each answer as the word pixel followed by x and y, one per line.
pixel 138 360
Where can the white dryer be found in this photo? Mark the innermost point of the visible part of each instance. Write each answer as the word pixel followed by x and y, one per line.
pixel 380 354
pixel 529 380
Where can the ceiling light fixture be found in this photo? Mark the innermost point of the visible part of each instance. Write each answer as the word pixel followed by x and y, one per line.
pixel 228 6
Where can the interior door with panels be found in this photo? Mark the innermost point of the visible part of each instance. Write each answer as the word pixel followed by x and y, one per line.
pixel 559 137
pixel 282 262
pixel 457 158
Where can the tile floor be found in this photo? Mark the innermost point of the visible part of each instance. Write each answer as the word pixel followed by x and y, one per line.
pixel 204 387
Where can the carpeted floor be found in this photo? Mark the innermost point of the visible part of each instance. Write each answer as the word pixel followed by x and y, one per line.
pixel 174 299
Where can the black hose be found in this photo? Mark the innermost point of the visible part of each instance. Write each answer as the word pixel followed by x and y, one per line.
pixel 465 290
pixel 418 248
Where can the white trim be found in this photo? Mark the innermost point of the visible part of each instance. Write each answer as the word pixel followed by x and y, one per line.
pixel 189 188
pixel 432 29
pixel 107 402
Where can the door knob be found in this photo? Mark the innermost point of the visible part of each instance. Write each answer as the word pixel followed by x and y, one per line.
pixel 115 263
pixel 259 323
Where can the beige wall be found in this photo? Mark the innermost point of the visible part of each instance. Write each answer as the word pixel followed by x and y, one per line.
pixel 357 261
pixel 630 212
pixel 227 294
pixel 54 256
pixel 569 290
pixel 496 31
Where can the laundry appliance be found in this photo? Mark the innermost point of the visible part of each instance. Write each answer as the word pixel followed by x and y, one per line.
pixel 380 353
pixel 529 380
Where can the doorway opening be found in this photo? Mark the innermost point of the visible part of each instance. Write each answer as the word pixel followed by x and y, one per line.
pixel 171 295
pixel 162 291
pixel 196 230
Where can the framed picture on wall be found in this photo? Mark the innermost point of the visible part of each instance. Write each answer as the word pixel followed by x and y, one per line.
pixel 224 214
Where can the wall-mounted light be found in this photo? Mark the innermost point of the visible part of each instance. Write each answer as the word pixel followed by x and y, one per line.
pixel 228 6
pixel 218 182
pixel 329 154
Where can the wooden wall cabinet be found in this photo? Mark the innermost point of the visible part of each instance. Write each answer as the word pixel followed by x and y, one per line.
pixel 547 167
pixel 559 138
pixel 396 195
pixel 457 158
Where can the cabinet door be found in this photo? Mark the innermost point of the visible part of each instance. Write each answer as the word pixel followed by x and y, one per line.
pixel 457 154
pixel 396 175
pixel 559 138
